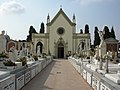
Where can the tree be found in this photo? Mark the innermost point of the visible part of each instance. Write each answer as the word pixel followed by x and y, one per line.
pixel 86 28
pixel 112 34
pixel 31 30
pixel 96 37
pixel 42 28
pixel 106 32
pixel 81 31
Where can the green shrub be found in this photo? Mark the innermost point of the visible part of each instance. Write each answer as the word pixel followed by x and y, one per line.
pixel 9 63
pixel 35 57
pixel 23 60
pixel 3 56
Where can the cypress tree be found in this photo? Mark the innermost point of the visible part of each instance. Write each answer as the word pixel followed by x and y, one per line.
pixel 86 28
pixel 81 31
pixel 42 28
pixel 31 30
pixel 112 34
pixel 96 37
pixel 106 32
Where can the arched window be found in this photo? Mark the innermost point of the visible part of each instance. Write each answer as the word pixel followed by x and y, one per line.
pixel 39 47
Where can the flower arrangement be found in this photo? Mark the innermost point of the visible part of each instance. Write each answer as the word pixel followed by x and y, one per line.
pixel 9 63
pixel 3 55
pixel 35 57
pixel 107 56
pixel 23 60
pixel 44 55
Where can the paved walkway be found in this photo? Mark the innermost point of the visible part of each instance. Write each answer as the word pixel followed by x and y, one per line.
pixel 59 75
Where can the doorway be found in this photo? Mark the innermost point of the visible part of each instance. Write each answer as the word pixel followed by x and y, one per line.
pixel 60 50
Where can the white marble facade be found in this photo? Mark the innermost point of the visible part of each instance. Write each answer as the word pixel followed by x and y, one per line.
pixel 60 37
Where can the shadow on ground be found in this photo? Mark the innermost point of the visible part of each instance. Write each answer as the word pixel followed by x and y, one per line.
pixel 37 83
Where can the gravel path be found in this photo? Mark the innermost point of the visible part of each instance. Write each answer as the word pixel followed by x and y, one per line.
pixel 59 75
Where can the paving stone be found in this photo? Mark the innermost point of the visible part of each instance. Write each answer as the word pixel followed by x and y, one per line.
pixel 59 75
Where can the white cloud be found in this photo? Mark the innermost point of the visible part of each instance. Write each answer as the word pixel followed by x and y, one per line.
pixel 11 6
pixel 86 2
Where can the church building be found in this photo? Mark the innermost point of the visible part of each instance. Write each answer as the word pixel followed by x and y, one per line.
pixel 60 38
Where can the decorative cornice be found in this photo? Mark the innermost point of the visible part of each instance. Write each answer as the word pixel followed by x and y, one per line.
pixel 77 36
pixel 45 35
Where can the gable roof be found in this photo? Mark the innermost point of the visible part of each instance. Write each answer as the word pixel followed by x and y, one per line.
pixel 64 15
pixel 111 40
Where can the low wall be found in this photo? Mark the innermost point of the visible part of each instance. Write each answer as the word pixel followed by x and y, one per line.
pixel 20 76
pixel 94 79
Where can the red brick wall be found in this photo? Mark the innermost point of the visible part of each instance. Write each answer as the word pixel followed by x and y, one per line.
pixel 111 47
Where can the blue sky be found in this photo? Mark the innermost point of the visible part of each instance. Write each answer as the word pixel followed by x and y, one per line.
pixel 17 15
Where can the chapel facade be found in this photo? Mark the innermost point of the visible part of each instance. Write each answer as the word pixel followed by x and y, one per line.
pixel 60 38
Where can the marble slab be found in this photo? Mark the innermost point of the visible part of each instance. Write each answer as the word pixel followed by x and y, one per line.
pixel 84 74
pixel 32 73
pixel 30 63
pixel 89 78
pixel 113 77
pixel 8 83
pixel 95 83
pixel 103 87
pixel 18 64
pixel 40 59
pixel 27 77
pixel 37 70
pixel 4 74
pixel 92 67
pixel 39 67
pixel 20 82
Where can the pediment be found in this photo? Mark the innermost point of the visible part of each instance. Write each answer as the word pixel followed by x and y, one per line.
pixel 61 12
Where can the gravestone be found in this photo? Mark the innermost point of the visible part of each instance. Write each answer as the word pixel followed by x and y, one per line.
pixel 102 46
pixel 23 52
pixel 13 54
pixel 2 42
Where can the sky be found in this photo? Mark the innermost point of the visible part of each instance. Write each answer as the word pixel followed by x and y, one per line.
pixel 16 16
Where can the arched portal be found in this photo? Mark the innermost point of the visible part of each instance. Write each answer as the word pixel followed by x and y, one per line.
pixel 39 47
pixel 60 50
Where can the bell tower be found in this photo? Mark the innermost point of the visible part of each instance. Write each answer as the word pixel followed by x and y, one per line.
pixel 48 18
pixel 74 20
pixel 48 23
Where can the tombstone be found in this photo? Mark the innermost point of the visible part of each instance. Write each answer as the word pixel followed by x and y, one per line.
pixel 13 54
pixel 38 50
pixel 107 57
pixel 81 48
pixel 101 38
pixel 102 46
pixel 2 42
pixel 23 52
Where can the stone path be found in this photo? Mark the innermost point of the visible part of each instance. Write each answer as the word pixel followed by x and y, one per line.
pixel 59 75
